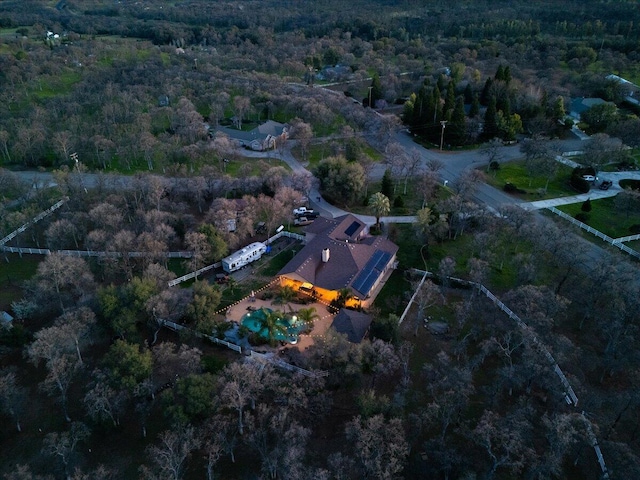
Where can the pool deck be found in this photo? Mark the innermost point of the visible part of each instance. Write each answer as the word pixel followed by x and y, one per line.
pixel 320 325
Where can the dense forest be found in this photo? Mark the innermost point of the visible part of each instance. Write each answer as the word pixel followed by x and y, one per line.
pixel 91 384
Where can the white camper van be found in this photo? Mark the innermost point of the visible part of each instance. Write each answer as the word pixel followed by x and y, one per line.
pixel 243 257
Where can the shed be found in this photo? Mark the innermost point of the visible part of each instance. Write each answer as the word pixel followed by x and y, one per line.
pixel 352 323
pixel 6 320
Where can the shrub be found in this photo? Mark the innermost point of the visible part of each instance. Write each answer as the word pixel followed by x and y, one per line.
pixel 635 228
pixel 494 166
pixel 580 184
pixel 510 188
pixel 582 217
pixel 398 202
pixel 586 206
pixel 630 183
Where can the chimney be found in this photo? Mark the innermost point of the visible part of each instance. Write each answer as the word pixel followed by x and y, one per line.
pixel 325 255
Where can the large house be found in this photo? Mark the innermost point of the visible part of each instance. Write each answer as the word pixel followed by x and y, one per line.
pixel 339 254
pixel 579 105
pixel 263 137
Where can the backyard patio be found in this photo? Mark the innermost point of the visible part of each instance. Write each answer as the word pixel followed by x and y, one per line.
pixel 321 324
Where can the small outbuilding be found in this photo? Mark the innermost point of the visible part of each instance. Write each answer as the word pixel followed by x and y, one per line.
pixel 6 320
pixel 355 325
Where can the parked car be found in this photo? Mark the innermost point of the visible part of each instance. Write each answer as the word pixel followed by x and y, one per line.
pixel 222 278
pixel 605 184
pixel 301 221
pixel 589 178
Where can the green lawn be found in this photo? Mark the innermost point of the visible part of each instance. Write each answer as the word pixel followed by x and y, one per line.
pixel 13 274
pixel 60 84
pixel 605 217
pixel 516 174
pixel 319 151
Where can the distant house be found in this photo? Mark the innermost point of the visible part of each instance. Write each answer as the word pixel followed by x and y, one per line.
pixel 631 90
pixel 6 320
pixel 355 325
pixel 263 137
pixel 340 254
pixel 335 74
pixel 579 105
pixel 163 101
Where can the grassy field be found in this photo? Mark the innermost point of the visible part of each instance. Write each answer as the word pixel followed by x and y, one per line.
pixel 319 151
pixel 605 217
pixel 516 174
pixel 13 273
pixel 61 84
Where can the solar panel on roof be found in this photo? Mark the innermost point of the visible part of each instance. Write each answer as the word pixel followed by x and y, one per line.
pixel 371 271
pixel 351 229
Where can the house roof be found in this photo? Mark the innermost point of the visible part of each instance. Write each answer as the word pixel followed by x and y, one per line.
pixel 354 262
pixel 259 133
pixel 581 104
pixel 354 324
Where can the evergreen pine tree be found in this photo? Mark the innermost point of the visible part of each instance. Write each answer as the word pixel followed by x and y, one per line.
pixel 376 91
pixel 475 106
pixel 490 129
pixel 468 94
pixel 386 187
pixel 450 101
pixel 506 75
pixel 486 92
pixel 457 123
pixel 437 105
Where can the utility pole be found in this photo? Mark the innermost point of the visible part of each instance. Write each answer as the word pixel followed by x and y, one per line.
pixel 444 124
pixel 370 88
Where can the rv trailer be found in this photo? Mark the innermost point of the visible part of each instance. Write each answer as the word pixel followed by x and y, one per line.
pixel 243 257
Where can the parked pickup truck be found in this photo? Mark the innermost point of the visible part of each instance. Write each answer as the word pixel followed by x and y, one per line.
pixel 302 221
pixel 305 212
pixel 301 211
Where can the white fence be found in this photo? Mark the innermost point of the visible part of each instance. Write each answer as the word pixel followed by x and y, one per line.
pixel 570 395
pixel 92 253
pixel 176 327
pixel 616 242
pixel 629 238
pixel 261 357
pixel 191 275
pixel 284 233
pixel 35 219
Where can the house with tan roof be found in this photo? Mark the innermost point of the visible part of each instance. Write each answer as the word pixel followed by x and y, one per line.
pixel 340 254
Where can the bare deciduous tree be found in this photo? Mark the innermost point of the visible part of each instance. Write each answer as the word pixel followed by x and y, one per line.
pixel 12 396
pixel 63 445
pixel 169 457
pixel 380 446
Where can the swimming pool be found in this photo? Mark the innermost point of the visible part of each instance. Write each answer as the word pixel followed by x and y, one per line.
pixel 254 321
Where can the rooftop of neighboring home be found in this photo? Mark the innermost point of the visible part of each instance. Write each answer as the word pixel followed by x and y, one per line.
pixel 579 105
pixel 269 127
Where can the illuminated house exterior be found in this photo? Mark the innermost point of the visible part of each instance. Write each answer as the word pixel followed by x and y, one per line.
pixel 340 254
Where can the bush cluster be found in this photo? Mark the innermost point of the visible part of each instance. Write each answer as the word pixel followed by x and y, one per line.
pixel 511 188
